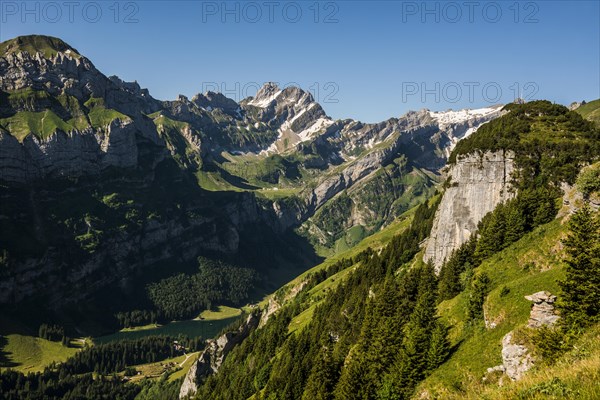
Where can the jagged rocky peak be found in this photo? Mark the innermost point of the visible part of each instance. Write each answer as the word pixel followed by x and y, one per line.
pixel 96 121
pixel 265 95
pixel 270 95
pixel 131 87
pixel 212 100
pixel 458 116
pixel 460 124
pixel 43 63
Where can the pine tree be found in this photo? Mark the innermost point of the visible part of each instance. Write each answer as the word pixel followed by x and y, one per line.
pixel 492 230
pixel 412 362
pixel 386 338
pixel 352 380
pixel 321 381
pixel 581 287
pixel 515 223
pixel 478 292
pixel 389 389
pixel 450 275
pixel 439 346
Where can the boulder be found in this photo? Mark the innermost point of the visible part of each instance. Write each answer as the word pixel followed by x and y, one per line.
pixel 515 358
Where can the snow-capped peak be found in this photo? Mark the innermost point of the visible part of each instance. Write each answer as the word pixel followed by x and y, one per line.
pixel 265 95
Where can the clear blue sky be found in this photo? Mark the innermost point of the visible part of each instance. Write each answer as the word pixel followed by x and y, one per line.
pixel 364 60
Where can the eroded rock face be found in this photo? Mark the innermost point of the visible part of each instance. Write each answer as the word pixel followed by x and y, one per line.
pixel 542 311
pixel 214 354
pixel 478 183
pixel 68 154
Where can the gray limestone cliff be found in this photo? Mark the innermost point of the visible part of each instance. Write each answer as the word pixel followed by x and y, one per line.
pixel 477 184
pixel 214 354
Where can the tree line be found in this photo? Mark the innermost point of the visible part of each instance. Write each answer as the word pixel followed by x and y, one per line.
pixel 116 356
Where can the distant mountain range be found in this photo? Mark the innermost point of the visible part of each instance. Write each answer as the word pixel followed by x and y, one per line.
pixel 276 158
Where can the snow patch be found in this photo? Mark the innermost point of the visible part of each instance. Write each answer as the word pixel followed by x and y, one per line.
pixel 456 117
pixel 319 124
pixel 262 103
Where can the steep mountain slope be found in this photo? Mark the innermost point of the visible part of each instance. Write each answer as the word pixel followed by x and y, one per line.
pixel 531 145
pixel 366 327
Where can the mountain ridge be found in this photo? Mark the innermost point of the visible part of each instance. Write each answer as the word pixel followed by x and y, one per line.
pixel 279 139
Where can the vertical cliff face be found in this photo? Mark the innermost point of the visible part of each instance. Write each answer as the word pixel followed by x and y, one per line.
pixel 213 356
pixel 478 183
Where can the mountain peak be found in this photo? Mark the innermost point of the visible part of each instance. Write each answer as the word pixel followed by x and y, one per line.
pixel 270 92
pixel 215 100
pixel 265 95
pixel 47 45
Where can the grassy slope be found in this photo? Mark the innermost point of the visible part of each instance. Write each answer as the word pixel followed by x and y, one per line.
pixel 223 312
pixel 590 111
pixel 44 124
pixel 32 354
pixel 176 367
pixel 530 265
pixel 26 352
pixel 576 375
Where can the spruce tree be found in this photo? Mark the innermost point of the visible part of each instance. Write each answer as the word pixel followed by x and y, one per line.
pixel 515 223
pixel 412 362
pixel 450 283
pixel 478 292
pixel 492 229
pixel 439 346
pixel 351 384
pixel 580 298
pixel 321 380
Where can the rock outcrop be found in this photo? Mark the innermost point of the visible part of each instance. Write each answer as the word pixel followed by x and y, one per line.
pixel 542 311
pixel 477 184
pixel 516 358
pixel 214 354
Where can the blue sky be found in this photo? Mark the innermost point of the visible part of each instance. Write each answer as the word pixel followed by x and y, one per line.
pixel 365 60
